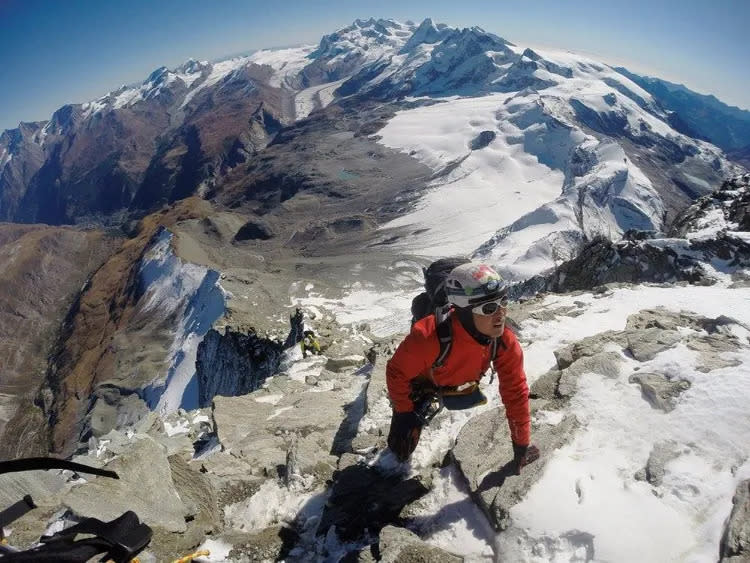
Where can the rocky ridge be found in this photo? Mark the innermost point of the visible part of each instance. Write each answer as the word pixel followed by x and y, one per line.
pixel 253 472
pixel 706 241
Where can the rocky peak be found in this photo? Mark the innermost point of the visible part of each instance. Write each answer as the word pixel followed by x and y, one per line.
pixel 426 33
pixel 711 235
pixel 382 37
pixel 65 119
pixel 158 76
pixel 12 140
pixel 192 66
pixel 726 209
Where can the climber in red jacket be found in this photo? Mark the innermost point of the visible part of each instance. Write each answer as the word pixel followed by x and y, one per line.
pixel 479 302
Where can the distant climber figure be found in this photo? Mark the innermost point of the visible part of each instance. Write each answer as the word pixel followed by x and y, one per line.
pixel 309 344
pixel 296 322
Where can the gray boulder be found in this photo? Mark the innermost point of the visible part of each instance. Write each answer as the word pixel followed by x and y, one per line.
pixel 483 453
pixel 645 344
pixel 661 454
pixel 261 433
pixel 603 363
pixel 115 408
pixel 197 494
pixel 735 543
pixel 145 475
pixel 345 363
pixel 45 487
pixel 399 545
pixel 712 350
pixel 660 391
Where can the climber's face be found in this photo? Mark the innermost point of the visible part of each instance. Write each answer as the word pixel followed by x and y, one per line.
pixel 491 325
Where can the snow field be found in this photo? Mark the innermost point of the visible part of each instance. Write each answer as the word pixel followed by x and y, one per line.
pixel 491 188
pixel 284 62
pixel 589 485
pixel 517 181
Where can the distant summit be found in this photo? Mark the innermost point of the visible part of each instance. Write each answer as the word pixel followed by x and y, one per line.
pixel 186 130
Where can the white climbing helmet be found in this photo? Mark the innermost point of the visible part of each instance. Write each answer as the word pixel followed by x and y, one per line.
pixel 474 283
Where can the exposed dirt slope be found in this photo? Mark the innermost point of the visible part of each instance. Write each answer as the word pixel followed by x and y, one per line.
pixel 43 269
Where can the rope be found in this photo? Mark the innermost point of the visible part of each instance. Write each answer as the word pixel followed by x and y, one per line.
pixel 189 558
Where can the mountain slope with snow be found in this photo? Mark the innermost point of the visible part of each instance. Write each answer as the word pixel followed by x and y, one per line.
pixel 186 130
pixel 638 407
pixel 327 177
pixel 578 154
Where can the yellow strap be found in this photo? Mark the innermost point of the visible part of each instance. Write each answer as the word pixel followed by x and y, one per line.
pixel 189 558
pixel 468 390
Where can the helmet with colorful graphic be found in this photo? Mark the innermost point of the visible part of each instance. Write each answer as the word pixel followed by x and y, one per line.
pixel 474 283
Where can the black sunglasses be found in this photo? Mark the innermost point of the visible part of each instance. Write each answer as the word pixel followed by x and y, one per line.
pixel 490 307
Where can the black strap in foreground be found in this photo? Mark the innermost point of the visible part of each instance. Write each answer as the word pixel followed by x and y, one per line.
pixel 126 535
pixel 120 540
pixel 31 463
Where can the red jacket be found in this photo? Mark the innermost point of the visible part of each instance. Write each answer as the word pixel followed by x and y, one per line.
pixel 466 361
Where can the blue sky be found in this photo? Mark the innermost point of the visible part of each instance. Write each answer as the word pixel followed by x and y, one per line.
pixel 56 52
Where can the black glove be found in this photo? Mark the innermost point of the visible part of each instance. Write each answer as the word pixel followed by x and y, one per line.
pixel 404 434
pixel 522 456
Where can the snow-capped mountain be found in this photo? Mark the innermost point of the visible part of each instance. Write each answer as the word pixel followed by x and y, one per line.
pixel 183 130
pixel 327 176
pixel 141 145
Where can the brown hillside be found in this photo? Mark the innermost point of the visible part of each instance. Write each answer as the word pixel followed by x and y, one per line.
pixel 86 352
pixel 43 269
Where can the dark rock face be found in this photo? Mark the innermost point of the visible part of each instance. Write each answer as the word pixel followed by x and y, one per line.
pixel 735 544
pixel 612 123
pixel 731 200
pixel 20 159
pixel 234 364
pixel 642 256
pixel 602 261
pixel 253 230
pixel 482 140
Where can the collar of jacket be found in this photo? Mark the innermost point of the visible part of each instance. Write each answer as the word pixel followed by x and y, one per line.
pixel 465 320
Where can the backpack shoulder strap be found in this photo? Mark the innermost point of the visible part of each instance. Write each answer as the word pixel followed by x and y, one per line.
pixel 444 330
pixel 493 354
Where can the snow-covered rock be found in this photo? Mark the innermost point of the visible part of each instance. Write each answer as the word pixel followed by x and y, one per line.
pixel 713 244
pixel 145 475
